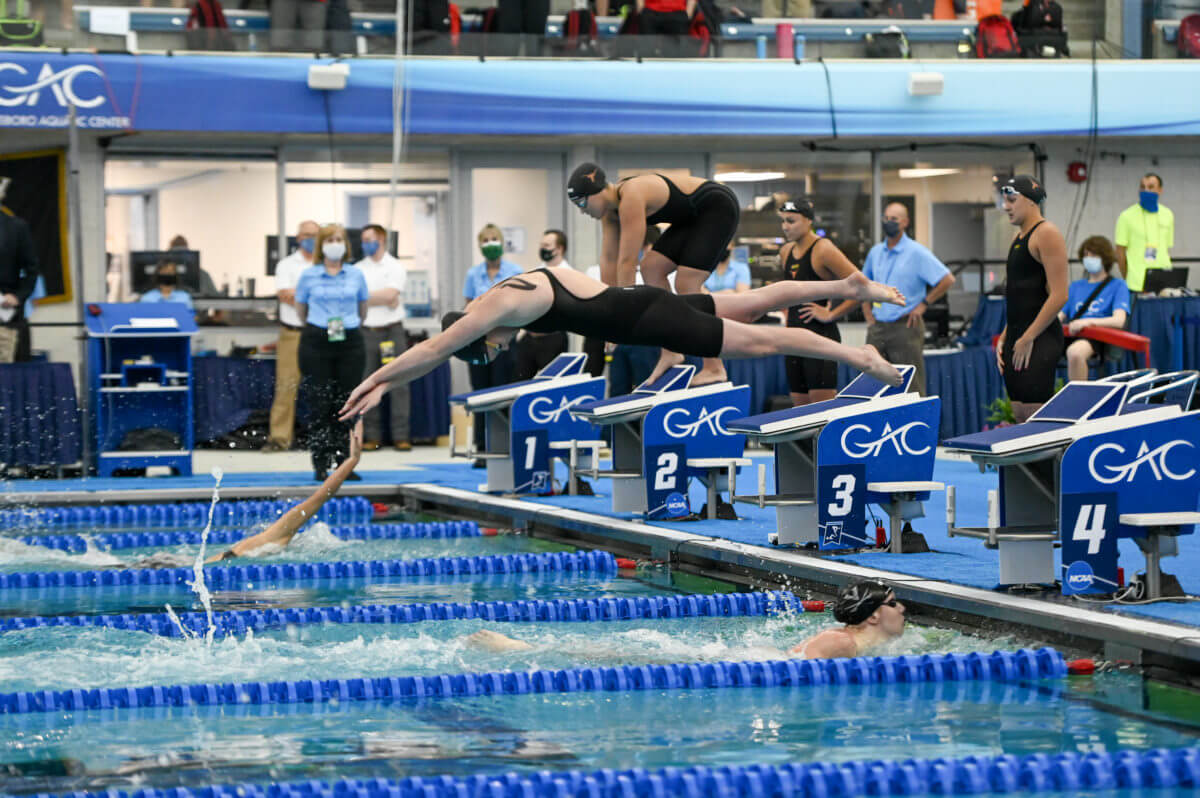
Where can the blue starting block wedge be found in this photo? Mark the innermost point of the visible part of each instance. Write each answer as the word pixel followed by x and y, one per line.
pixel 870 444
pixel 1053 486
pixel 657 430
pixel 523 419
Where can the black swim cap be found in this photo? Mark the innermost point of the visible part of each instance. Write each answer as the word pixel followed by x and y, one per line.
pixel 802 207
pixel 586 180
pixel 475 352
pixel 1027 186
pixel 858 601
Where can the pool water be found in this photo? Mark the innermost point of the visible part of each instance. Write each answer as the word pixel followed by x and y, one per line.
pixel 198 745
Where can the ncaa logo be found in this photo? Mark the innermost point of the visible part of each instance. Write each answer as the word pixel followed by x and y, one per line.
pixel 831 533
pixel 1154 459
pixel 1080 575
pixel 676 505
pixel 677 423
pixel 543 411
pixel 864 446
pixel 61 84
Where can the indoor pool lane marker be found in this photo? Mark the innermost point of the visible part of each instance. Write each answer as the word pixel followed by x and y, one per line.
pixel 338 510
pixel 236 622
pixel 115 541
pixel 239 576
pixel 1022 665
pixel 969 775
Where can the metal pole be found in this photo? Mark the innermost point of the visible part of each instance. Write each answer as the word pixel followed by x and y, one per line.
pixel 281 200
pixel 74 207
pixel 876 198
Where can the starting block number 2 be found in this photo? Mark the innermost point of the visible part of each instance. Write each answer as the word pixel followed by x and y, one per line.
pixel 843 496
pixel 1089 526
pixel 665 468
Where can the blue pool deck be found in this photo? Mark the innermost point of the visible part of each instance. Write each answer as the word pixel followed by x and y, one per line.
pixel 959 561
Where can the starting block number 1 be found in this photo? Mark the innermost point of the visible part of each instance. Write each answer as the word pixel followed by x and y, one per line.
pixel 843 496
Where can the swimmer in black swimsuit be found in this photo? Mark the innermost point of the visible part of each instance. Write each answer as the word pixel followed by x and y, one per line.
pixel 1036 290
pixel 703 216
pixel 696 324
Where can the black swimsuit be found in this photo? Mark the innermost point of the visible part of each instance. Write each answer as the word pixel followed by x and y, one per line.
pixel 809 373
pixel 1026 293
pixel 642 315
pixel 702 224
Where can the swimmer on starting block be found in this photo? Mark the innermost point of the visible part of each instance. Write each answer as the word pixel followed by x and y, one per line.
pixel 869 611
pixel 284 528
pixel 696 324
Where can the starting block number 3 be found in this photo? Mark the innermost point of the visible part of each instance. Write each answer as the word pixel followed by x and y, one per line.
pixel 1089 526
pixel 843 496
pixel 665 470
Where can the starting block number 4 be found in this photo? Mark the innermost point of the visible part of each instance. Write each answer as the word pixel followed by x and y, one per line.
pixel 1089 526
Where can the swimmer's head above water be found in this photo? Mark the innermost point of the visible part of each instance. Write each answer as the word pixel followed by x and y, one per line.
pixel 870 601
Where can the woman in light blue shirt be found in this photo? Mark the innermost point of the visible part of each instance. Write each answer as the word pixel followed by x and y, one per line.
pixel 728 277
pixel 1107 304
pixel 331 299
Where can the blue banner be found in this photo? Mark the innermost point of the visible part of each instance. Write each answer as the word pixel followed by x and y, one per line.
pixel 584 97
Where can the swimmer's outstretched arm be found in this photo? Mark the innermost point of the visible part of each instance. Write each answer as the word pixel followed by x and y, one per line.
pixel 285 527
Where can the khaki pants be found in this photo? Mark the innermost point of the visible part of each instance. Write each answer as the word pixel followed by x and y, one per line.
pixel 287 382
pixel 901 345
pixel 787 8
pixel 8 344
pixel 398 399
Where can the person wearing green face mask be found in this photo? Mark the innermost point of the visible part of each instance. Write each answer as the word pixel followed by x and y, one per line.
pixel 480 278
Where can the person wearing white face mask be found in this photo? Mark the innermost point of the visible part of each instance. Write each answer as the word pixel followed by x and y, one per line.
pixel 1097 300
pixel 331 300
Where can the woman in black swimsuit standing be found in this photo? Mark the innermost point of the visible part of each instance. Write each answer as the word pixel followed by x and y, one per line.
pixel 703 216
pixel 1036 290
pixel 808 256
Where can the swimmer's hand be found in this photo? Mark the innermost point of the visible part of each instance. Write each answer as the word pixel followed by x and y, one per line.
pixel 366 396
pixel 496 642
pixel 356 440
pixel 867 290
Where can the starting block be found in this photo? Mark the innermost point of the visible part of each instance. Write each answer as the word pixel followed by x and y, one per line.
pixel 870 444
pixel 1099 461
pixel 525 419
pixel 664 433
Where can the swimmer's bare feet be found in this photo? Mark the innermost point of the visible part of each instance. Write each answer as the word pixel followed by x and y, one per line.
pixel 874 364
pixel 496 642
pixel 867 290
pixel 666 361
pixel 712 370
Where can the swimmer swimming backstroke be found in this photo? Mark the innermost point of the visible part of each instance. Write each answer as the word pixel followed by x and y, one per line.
pixel 695 324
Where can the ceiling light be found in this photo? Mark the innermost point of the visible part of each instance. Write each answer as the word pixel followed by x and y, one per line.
pixel 906 174
pixel 748 177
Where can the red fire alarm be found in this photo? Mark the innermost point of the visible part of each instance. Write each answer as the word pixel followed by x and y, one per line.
pixel 1077 171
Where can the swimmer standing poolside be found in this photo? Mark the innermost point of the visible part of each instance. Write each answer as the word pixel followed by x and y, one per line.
pixel 698 324
pixel 702 214
pixel 869 609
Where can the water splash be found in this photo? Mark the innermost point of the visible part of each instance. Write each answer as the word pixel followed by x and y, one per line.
pixel 187 633
pixel 198 585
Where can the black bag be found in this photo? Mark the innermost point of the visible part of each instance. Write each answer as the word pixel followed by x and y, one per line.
pixel 150 439
pixel 889 43
pixel 1038 15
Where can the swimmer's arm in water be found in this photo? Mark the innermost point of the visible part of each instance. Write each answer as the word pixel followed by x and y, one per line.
pixel 495 642
pixel 632 212
pixel 830 644
pixel 285 527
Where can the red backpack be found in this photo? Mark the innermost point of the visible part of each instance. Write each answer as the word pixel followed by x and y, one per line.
pixel 1188 40
pixel 995 38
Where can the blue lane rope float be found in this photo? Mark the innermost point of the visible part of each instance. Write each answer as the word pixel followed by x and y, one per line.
pixel 115 541
pixel 339 510
pixel 1023 664
pixel 237 622
pixel 235 576
pixel 1004 773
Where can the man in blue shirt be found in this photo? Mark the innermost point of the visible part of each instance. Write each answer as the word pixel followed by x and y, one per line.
pixel 480 278
pixel 730 277
pixel 899 332
pixel 167 278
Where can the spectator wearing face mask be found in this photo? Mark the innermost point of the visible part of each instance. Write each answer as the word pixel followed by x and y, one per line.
pixel 166 280
pixel 480 279
pixel 1145 233
pixel 1097 300
pixel 331 299
pixel 287 362
pixel 534 351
